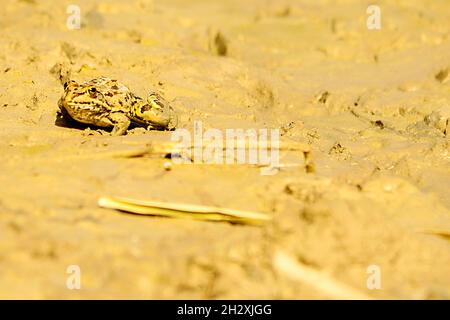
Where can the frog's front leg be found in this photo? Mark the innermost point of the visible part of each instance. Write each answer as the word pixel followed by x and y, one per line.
pixel 121 123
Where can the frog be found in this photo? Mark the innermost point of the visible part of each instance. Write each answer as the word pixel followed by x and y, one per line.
pixel 107 103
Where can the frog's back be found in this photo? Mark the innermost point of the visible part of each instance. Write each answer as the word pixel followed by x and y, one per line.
pixel 116 94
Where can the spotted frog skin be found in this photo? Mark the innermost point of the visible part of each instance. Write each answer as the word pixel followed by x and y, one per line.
pixel 104 102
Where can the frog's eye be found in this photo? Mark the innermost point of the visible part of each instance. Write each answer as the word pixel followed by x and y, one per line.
pixel 93 92
pixel 156 101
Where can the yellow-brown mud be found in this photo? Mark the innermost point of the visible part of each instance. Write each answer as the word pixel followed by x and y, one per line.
pixel 373 105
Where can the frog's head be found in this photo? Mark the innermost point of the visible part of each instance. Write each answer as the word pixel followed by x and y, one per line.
pixel 80 97
pixel 155 112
